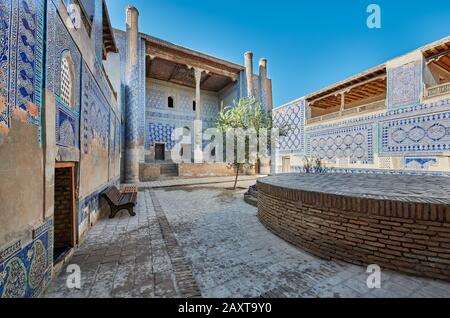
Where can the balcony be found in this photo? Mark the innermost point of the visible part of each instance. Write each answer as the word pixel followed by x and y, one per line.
pixel 438 90
pixel 367 108
pixel 436 71
pixel 361 94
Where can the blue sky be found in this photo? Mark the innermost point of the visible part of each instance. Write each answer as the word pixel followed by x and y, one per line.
pixel 308 44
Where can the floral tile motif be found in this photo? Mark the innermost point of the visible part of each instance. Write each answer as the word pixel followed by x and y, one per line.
pixel 26 272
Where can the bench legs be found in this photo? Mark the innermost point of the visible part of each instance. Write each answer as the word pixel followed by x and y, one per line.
pixel 114 211
pixel 131 212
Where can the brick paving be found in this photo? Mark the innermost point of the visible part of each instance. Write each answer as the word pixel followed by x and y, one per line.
pixel 415 188
pixel 130 257
pixel 206 240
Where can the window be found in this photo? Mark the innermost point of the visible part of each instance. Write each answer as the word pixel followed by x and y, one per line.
pixel 67 75
pixel 170 102
pixel 194 104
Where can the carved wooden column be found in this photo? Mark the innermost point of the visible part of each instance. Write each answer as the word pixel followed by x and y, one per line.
pixel 198 125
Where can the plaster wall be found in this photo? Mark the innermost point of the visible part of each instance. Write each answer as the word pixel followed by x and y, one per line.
pixel 22 188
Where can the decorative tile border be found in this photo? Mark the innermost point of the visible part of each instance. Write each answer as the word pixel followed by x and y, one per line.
pixel 411 135
pixel 25 272
pixel 10 250
pixel 299 169
pixel 419 163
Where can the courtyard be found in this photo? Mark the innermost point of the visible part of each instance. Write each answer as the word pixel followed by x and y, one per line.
pixel 203 240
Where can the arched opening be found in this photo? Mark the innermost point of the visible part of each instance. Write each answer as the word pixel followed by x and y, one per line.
pixel 67 94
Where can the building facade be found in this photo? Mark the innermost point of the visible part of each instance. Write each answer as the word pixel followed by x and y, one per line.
pixel 394 118
pixel 59 134
pixel 84 107
pixel 164 87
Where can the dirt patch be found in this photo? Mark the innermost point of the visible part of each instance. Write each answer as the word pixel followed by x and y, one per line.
pixel 225 195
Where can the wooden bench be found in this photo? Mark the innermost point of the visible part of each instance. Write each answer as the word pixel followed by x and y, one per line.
pixel 125 200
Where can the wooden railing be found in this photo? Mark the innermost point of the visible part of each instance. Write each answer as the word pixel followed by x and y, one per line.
pixel 378 105
pixel 438 90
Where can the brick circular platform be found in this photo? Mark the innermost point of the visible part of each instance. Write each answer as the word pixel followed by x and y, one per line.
pixel 400 222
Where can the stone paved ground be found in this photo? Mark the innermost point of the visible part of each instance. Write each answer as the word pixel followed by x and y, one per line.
pixel 210 232
pixel 178 181
pixel 130 257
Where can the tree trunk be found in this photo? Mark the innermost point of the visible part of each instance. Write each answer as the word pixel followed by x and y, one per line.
pixel 237 175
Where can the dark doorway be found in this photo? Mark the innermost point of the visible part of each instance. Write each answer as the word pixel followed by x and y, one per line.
pixel 64 216
pixel 170 102
pixel 160 150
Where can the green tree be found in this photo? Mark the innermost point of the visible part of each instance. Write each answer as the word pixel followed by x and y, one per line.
pixel 246 114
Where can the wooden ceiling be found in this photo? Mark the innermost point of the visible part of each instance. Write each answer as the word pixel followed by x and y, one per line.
pixel 439 54
pixel 353 93
pixel 180 74
pixel 173 63
pixel 358 87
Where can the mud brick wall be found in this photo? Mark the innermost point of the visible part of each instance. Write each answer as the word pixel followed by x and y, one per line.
pixel 204 170
pixel 63 206
pixel 410 237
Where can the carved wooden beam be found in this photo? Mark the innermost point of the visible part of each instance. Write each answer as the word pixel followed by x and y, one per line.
pixel 192 62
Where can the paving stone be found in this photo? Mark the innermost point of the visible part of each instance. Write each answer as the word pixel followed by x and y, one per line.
pixel 219 236
pixel 204 240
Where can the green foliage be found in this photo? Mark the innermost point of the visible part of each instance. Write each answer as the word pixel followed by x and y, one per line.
pixel 246 114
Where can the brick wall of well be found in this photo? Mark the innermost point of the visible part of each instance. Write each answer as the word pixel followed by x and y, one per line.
pixel 63 205
pixel 411 237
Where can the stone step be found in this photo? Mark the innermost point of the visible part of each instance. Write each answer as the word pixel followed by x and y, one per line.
pixel 173 174
pixel 254 194
pixel 251 200
pixel 169 170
